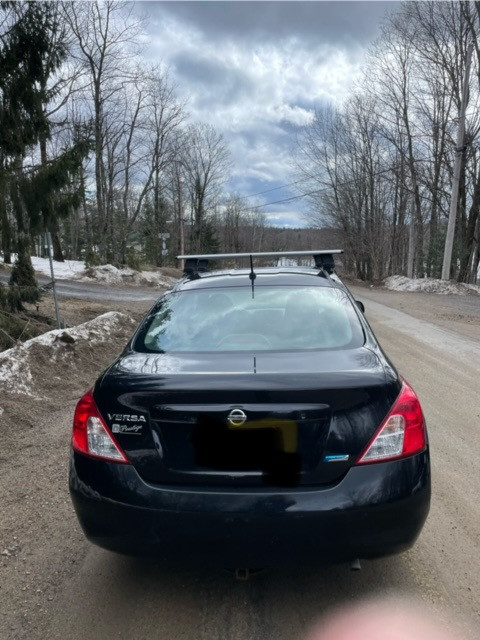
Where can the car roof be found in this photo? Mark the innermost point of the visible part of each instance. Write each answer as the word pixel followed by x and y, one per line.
pixel 292 276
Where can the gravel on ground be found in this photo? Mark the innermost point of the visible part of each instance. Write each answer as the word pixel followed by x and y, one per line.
pixel 54 584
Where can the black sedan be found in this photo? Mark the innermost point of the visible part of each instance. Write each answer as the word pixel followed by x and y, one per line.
pixel 252 420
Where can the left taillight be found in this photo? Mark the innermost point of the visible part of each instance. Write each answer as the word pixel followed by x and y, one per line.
pixel 402 433
pixel 91 435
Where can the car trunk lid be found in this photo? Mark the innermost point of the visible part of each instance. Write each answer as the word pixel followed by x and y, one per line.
pixel 308 415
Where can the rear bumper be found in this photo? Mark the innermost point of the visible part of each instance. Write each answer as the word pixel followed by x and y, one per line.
pixel 374 511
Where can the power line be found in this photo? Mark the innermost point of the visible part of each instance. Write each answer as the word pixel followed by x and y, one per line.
pixel 329 186
pixel 282 186
pixel 268 204
pixel 290 184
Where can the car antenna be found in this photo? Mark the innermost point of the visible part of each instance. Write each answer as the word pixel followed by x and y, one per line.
pixel 252 276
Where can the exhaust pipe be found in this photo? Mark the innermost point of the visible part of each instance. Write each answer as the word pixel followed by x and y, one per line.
pixel 355 565
pixel 242 573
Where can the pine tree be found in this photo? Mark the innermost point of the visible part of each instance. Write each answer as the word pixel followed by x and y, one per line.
pixel 208 237
pixel 5 226
pixel 21 123
pixel 31 52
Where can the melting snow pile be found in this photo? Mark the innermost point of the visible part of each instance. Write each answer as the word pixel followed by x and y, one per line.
pixel 430 285
pixel 106 274
pixel 68 270
pixel 109 274
pixel 53 359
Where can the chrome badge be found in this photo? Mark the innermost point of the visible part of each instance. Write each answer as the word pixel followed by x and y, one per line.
pixel 236 417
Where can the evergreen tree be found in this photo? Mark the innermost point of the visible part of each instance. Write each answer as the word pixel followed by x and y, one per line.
pixel 208 237
pixel 5 227
pixel 20 124
pixel 31 51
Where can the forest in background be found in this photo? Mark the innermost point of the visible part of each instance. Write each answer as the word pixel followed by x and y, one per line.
pixel 380 166
pixel 97 148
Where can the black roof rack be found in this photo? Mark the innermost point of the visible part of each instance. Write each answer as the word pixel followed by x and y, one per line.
pixel 196 264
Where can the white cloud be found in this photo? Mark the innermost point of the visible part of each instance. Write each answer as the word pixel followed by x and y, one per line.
pixel 255 92
pixel 295 115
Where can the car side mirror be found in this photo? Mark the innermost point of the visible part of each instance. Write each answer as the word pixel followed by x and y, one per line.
pixel 360 305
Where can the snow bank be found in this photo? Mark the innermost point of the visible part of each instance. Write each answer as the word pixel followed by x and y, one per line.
pixel 109 274
pixel 28 367
pixel 106 274
pixel 68 270
pixel 430 285
pixel 63 270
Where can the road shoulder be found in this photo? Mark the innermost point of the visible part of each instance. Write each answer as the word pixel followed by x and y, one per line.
pixel 455 313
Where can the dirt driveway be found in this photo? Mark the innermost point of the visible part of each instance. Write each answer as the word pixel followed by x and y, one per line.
pixel 460 314
pixel 53 584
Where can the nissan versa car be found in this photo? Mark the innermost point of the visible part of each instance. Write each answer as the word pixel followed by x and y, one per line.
pixel 252 420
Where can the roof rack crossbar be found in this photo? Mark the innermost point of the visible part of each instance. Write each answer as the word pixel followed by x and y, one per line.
pixel 196 264
pixel 262 254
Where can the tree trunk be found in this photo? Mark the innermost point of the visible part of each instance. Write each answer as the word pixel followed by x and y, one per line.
pixel 469 239
pixel 88 234
pixel 99 174
pixel 49 214
pixel 57 247
pixel 157 218
pixel 6 231
pixel 411 249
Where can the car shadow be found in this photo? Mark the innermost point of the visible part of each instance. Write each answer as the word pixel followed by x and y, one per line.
pixel 128 597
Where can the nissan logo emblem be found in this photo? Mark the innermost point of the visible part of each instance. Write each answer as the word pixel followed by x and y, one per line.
pixel 236 417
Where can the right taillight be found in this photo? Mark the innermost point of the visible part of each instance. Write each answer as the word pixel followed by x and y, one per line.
pixel 402 433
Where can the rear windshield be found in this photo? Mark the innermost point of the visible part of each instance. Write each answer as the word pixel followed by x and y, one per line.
pixel 229 319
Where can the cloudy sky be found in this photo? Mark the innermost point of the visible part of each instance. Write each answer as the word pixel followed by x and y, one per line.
pixel 256 70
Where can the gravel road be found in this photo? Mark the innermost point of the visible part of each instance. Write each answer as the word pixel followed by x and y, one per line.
pixel 97 292
pixel 55 585
pixel 458 313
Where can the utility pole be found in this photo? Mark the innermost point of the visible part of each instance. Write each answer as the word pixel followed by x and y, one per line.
pixel 452 218
pixel 181 228
pixel 411 247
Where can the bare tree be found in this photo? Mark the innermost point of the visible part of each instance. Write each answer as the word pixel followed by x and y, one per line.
pixel 165 117
pixel 104 33
pixel 241 225
pixel 380 167
pixel 207 162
